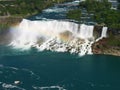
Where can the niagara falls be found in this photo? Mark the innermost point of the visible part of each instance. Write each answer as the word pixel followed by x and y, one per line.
pixel 59 36
pixel 59 45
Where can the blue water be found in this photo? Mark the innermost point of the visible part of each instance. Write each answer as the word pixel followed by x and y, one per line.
pixel 56 71
pixel 57 12
pixel 59 71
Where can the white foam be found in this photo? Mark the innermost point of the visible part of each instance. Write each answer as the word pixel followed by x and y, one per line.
pixel 86 31
pixel 103 34
pixel 16 82
pixel 11 86
pixel 44 35
pixel 48 87
pixel 49 10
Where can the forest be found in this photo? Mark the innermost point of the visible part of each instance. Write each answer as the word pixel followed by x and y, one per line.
pixel 25 7
pixel 101 10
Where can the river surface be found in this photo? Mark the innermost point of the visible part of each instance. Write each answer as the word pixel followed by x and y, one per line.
pixel 34 70
pixel 59 71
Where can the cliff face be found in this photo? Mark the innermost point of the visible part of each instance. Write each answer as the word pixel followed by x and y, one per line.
pixel 109 45
pixel 6 20
pixel 101 47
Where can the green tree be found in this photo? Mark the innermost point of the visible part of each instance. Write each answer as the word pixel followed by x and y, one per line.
pixel 74 14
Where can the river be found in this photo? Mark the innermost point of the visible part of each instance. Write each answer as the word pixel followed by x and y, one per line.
pixel 49 70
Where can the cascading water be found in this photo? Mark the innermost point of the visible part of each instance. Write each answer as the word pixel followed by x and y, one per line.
pixel 51 32
pixel 60 36
pixel 103 34
pixel 23 60
pixel 86 31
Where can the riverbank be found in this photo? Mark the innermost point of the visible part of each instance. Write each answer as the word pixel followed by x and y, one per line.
pixel 103 46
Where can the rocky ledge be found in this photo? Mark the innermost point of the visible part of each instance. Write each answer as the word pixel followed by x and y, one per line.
pixel 8 21
pixel 103 47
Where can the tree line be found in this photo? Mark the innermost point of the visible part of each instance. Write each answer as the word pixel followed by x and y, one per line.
pixel 25 7
pixel 101 10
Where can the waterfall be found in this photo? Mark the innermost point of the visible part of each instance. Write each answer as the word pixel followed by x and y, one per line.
pixel 86 31
pixel 103 34
pixel 54 35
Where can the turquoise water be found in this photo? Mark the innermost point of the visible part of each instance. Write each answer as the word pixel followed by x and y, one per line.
pixel 47 70
pixel 59 71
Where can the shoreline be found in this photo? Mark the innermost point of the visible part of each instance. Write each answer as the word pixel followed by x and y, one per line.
pixel 102 47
